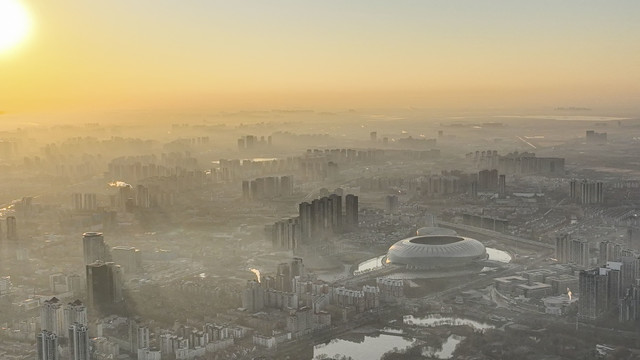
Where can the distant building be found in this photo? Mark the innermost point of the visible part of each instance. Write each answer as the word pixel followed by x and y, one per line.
pixel 47 344
pixel 267 187
pixel 593 137
pixel 84 202
pixel 502 186
pixel 574 251
pixel 138 335
pixel 76 201
pixel 79 342
pixel 149 354
pixel 529 163
pixel 285 234
pixel 89 202
pixel 75 313
pixel 586 192
pixel 253 296
pixel 128 257
pixel 599 290
pixel 143 200
pixel 351 215
pixel 12 230
pixel 580 252
pixel 488 180
pixel 630 304
pixel 391 203
pixel 474 189
pixel 94 248
pixel 52 317
pixel 104 286
pixel 606 252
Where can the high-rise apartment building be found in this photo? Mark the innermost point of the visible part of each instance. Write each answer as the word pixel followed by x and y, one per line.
pixel 52 317
pixel 502 186
pixel 93 247
pixel 79 342
pixel 104 285
pixel 253 296
pixel 76 201
pixel 351 212
pixel 47 344
pixel 594 298
pixel 12 229
pixel 606 252
pixel 89 202
pixel 572 250
pixel 75 312
pixel 580 252
pixel 128 257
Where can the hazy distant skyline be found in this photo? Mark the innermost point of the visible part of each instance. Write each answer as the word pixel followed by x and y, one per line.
pixel 224 55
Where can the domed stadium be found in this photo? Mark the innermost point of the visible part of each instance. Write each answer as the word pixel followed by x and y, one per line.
pixel 434 252
pixel 434 230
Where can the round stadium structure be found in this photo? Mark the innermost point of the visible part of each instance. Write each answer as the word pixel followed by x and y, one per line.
pixel 435 230
pixel 433 252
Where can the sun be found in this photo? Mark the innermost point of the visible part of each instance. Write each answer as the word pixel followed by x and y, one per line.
pixel 14 24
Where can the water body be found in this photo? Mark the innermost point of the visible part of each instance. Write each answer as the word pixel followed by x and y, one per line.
pixel 448 347
pixel 498 255
pixel 435 320
pixel 373 347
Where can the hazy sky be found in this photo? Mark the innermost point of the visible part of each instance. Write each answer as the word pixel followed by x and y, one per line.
pixel 324 54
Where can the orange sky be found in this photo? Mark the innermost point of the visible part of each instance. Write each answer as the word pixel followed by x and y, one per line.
pixel 328 54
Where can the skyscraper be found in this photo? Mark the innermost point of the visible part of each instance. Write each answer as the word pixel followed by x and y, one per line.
pixel 104 285
pixel 138 335
pixel 75 312
pixel 335 202
pixel 90 202
pixel 12 231
pixel 606 252
pixel 573 189
pixel 79 342
pixel 52 317
pixel 253 296
pixel 128 257
pixel 351 214
pixel 502 185
pixel 93 247
pixel 594 296
pixel 47 343
pixel 579 250
pixel 142 197
pixel 76 201
pixel 306 220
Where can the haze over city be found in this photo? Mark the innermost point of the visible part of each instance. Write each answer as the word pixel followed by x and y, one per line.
pixel 319 180
pixel 323 55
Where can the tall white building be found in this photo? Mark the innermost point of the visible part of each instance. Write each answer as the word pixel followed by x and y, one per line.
pixel 79 342
pixel 47 344
pixel 94 248
pixel 148 354
pixel 75 312
pixel 52 317
pixel 5 285
pixel 128 257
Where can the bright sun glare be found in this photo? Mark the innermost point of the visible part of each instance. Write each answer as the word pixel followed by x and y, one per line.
pixel 14 23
